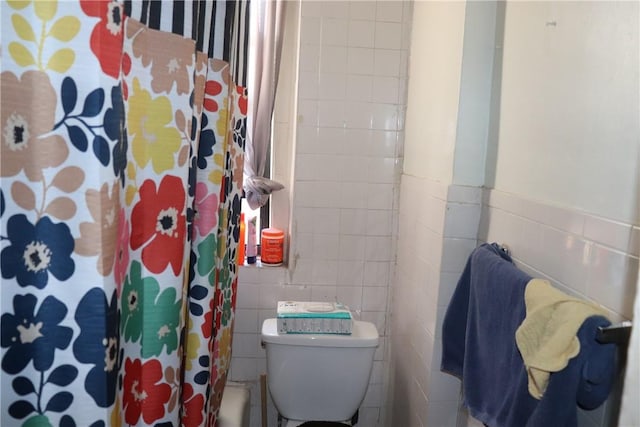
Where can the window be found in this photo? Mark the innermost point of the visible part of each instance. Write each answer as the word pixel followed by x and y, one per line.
pixel 278 123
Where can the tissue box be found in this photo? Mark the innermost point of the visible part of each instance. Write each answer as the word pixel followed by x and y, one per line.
pixel 301 317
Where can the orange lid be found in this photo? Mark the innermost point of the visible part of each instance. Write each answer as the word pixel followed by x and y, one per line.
pixel 272 232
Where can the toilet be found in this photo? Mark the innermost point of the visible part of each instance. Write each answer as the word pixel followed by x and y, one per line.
pixel 316 378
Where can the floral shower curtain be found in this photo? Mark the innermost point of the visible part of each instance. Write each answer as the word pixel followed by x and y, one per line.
pixel 123 131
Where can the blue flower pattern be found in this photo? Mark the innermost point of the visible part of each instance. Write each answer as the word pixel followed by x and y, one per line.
pixel 99 344
pixel 37 250
pixel 33 336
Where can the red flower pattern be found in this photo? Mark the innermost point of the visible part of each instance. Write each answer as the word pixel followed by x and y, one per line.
pixel 212 88
pixel 207 326
pixel 193 406
pixel 107 35
pixel 242 99
pixel 158 220
pixel 142 395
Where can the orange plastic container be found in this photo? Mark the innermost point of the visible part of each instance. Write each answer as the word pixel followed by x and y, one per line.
pixel 272 246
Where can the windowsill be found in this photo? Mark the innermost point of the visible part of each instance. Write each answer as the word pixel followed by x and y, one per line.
pixel 259 264
pixel 259 273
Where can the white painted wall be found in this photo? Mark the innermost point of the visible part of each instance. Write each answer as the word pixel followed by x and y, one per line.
pixel 432 102
pixel 569 114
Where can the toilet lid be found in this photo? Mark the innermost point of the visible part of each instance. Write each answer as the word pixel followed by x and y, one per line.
pixel 364 334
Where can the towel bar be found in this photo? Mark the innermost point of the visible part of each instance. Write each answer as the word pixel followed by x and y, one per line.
pixel 617 334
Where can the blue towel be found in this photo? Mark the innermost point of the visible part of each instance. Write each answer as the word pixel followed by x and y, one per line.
pixel 479 347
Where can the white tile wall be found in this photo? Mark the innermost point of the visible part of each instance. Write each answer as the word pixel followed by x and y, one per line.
pixel 437 232
pixel 346 183
pixel 585 255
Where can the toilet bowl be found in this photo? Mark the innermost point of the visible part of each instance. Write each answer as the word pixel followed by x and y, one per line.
pixel 319 377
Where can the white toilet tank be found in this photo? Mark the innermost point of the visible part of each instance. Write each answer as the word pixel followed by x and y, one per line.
pixel 317 377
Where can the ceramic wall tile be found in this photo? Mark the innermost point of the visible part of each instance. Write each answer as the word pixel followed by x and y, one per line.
pixel 387 62
pixel 464 194
pixel 376 273
pixel 332 86
pixel 612 279
pixel 301 271
pixel 383 143
pixel 385 117
pixel 248 296
pixel 378 248
pixel 309 84
pixel 361 33
pixel 379 222
pixel 442 413
pixel 360 60
pixel 324 272
pixel 386 90
pixel 462 220
pixel 334 31
pixel 455 253
pixel 303 246
pixel 351 296
pixel 330 114
pixel 244 369
pixel 564 219
pixel 613 234
pixel 353 195
pixel 362 10
pixel 308 113
pixel 310 30
pixel 359 88
pixel 389 11
pixel 380 195
pixel 374 298
pixel 566 258
pixel 324 246
pixel 634 242
pixel 245 345
pixel 310 58
pixel 326 220
pixel 246 321
pixel 388 35
pixel 351 273
pixel 351 248
pixel 444 387
pixel 358 114
pixel 329 140
pixel 586 255
pixel 353 222
pixel 296 293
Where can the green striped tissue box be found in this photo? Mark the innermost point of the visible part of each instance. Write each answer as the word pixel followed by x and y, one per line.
pixel 305 317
